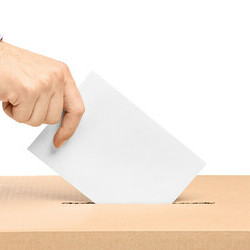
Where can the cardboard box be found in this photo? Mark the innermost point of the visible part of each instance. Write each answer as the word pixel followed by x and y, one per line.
pixel 48 213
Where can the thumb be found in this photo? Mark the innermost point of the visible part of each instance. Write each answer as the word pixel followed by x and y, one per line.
pixel 74 109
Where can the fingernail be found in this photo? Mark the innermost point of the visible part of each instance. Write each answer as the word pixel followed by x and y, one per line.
pixel 61 144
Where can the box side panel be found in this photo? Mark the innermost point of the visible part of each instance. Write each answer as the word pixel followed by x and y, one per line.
pixel 49 204
pixel 125 240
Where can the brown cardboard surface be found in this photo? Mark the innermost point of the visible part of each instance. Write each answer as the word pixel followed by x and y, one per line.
pixel 40 213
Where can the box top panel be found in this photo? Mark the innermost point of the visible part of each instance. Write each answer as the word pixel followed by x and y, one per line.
pixel 49 203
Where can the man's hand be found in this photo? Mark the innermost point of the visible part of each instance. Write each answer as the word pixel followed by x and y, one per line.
pixel 35 89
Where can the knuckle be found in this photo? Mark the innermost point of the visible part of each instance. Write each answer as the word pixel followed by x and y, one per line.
pixel 17 118
pixel 50 122
pixel 80 110
pixel 53 120
pixel 64 67
pixel 28 90
pixel 36 124
pixel 45 84
pixel 21 119
pixel 58 74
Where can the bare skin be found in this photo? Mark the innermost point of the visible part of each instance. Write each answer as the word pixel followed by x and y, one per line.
pixel 35 89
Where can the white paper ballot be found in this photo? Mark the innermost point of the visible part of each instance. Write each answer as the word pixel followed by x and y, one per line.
pixel 118 154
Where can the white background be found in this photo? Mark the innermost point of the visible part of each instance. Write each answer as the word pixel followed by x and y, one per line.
pixel 185 63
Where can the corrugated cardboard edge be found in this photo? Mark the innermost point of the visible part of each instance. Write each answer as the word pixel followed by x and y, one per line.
pixel 125 240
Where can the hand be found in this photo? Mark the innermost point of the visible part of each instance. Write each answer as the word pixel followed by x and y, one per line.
pixel 35 89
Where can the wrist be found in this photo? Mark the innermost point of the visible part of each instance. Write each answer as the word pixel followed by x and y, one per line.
pixel 2 49
pixel 1 40
pixel 3 76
